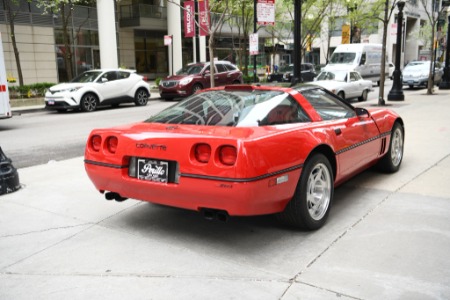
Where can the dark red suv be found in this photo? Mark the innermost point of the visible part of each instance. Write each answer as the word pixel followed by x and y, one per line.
pixel 196 76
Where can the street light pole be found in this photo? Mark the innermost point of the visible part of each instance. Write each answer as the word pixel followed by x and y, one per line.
pixel 297 77
pixel 396 93
pixel 445 82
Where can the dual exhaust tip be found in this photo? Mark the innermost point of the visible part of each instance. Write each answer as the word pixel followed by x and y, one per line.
pixel 208 213
pixel 114 196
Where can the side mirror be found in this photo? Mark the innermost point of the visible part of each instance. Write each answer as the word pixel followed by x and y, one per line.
pixel 104 80
pixel 362 112
pixel 207 73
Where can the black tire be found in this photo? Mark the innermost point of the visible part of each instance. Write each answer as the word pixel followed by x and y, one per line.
pixel 310 206
pixel 89 102
pixel 341 95
pixel 392 160
pixel 363 96
pixel 197 87
pixel 141 97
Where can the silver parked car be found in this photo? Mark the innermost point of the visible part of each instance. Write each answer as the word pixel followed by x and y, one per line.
pixel 416 73
pixel 346 84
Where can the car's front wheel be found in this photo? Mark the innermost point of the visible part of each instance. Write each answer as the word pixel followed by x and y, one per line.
pixel 89 102
pixel 141 97
pixel 309 207
pixel 197 87
pixel 363 96
pixel 391 161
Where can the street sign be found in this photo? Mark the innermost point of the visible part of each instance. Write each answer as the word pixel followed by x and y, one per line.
pixel 167 40
pixel 254 44
pixel 265 12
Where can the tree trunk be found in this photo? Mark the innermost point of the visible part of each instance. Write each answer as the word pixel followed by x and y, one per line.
pixel 7 5
pixel 68 61
pixel 430 85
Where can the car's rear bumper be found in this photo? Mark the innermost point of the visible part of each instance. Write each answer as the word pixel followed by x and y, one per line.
pixel 237 198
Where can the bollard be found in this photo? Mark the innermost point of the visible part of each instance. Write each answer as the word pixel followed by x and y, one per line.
pixel 9 178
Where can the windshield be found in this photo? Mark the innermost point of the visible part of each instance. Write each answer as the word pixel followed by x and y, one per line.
pixel 335 75
pixel 234 108
pixel 89 76
pixel 343 58
pixel 190 69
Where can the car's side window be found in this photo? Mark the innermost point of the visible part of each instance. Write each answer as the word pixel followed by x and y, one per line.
pixel 287 111
pixel 110 76
pixel 221 68
pixel 327 105
pixel 230 67
pixel 123 75
pixel 353 76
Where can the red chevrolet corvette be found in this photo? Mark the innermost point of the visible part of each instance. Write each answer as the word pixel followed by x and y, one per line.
pixel 246 150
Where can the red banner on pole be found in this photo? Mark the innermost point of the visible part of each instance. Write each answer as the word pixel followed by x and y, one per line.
pixel 204 18
pixel 189 21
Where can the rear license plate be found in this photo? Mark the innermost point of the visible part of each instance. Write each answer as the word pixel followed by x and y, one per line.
pixel 153 170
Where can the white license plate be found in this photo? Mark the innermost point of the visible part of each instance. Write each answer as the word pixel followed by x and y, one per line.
pixel 152 170
pixel 51 102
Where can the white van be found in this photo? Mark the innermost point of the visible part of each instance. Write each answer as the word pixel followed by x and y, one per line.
pixel 364 58
pixel 5 108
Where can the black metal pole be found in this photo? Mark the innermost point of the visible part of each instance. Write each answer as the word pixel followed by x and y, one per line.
pixel 255 19
pixel 396 93
pixel 197 32
pixel 445 82
pixel 297 77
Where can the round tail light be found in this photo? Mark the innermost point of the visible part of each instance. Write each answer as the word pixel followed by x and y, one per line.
pixel 202 152
pixel 228 155
pixel 112 143
pixel 96 142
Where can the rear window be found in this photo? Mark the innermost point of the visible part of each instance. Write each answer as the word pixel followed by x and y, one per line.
pixel 234 108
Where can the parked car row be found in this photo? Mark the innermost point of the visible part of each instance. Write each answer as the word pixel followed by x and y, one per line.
pixel 112 87
pixel 285 74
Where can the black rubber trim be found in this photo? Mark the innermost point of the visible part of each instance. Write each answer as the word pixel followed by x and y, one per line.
pixel 240 180
pixel 363 143
pixel 97 163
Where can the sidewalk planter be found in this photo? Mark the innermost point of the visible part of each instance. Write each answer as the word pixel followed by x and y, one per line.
pixel 9 178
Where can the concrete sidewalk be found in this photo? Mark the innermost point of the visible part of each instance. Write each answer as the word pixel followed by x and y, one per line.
pixel 387 237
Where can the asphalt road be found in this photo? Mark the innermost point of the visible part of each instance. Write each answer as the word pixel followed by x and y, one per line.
pixel 40 136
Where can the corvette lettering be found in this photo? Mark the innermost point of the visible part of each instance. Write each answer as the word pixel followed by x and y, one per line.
pixel 151 146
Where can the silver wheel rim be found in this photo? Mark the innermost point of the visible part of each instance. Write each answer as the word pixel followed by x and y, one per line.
pixel 319 191
pixel 90 102
pixel 142 97
pixel 195 89
pixel 397 147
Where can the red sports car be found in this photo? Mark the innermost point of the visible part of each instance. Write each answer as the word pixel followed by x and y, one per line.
pixel 246 150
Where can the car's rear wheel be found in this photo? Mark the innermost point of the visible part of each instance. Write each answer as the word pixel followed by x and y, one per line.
pixel 341 94
pixel 89 102
pixel 391 161
pixel 310 206
pixel 141 97
pixel 363 96
pixel 197 87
